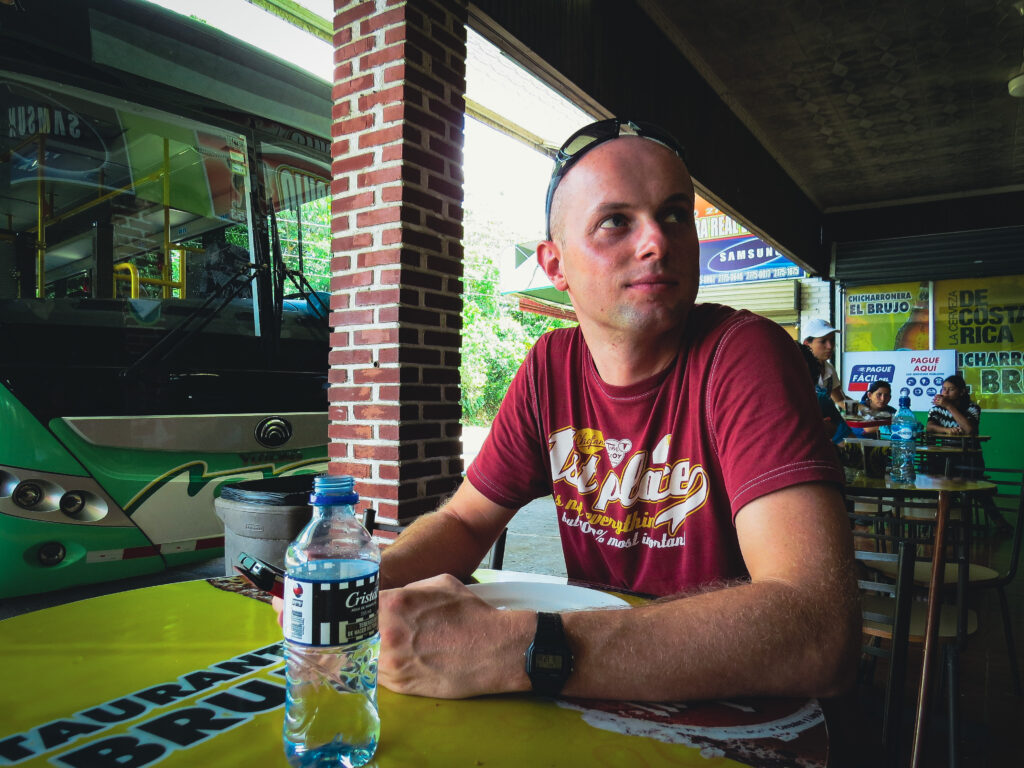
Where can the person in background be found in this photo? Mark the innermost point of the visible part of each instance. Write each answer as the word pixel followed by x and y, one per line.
pixel 836 427
pixel 953 413
pixel 820 337
pixel 878 396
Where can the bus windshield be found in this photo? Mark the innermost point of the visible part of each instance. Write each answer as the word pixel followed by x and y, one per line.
pixel 132 276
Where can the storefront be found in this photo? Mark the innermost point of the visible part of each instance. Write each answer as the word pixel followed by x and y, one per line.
pixel 967 297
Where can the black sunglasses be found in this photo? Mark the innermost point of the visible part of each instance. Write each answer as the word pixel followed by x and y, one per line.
pixel 590 136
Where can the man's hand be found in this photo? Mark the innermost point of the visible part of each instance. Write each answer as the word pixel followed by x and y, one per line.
pixel 439 639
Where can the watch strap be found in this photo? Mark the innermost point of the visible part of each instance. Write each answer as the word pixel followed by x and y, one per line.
pixel 549 660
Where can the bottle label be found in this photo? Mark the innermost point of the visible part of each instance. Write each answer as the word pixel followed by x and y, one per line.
pixel 324 613
pixel 903 433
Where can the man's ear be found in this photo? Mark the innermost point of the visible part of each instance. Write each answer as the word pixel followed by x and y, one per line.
pixel 550 259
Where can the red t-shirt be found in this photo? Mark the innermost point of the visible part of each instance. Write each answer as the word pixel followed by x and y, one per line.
pixel 647 478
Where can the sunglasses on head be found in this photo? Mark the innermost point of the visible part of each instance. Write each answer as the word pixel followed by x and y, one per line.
pixel 590 136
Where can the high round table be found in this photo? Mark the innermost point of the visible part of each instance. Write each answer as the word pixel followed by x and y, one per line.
pixel 190 674
pixel 942 488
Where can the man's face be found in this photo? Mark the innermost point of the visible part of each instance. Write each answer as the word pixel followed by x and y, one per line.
pixel 627 249
pixel 823 347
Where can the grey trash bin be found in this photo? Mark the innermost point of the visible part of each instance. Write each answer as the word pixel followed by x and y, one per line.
pixel 262 517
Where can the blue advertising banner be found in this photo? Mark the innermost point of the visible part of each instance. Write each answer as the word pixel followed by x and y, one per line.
pixel 729 253
pixel 920 371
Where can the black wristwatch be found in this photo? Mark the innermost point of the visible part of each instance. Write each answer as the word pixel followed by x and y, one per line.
pixel 549 659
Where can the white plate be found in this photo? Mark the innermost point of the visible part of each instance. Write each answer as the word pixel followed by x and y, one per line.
pixel 540 596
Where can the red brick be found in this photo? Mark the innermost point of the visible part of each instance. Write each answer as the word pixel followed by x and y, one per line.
pixel 341 109
pixel 376 298
pixel 352 202
pixel 339 185
pixel 377 376
pixel 337 413
pixel 354 49
pixel 357 124
pixel 378 216
pixel 337 376
pixel 388 471
pixel 354 14
pixel 391 236
pixel 350 395
pixel 391 194
pixel 351 243
pixel 339 339
pixel 339 223
pixel 342 165
pixel 373 60
pixel 350 357
pixel 378 491
pixel 388 431
pixel 393 113
pixel 379 176
pixel 395 34
pixel 383 136
pixel 340 262
pixel 376 412
pixel 342 70
pixel 341 36
pixel 375 336
pixel 377 258
pixel 375 452
pixel 345 88
pixel 390 277
pixel 385 96
pixel 359 470
pixel 397 16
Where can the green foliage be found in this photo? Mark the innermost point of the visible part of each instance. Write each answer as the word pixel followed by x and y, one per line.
pixel 307 231
pixel 495 336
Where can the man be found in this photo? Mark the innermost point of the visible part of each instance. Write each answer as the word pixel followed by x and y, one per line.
pixel 639 425
pixel 820 337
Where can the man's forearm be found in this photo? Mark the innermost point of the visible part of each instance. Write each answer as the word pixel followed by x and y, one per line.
pixel 435 543
pixel 743 640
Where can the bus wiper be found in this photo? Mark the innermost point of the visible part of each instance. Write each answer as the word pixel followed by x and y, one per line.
pixel 196 321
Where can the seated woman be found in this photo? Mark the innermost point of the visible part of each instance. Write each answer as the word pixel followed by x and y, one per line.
pixel 954 413
pixel 877 398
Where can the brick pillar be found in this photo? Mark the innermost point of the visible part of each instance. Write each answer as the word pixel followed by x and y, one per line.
pixel 396 222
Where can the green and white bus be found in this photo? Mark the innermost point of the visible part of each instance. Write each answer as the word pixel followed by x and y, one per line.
pixel 164 263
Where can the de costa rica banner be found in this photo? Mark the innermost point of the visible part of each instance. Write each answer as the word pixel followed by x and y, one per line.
pixel 983 320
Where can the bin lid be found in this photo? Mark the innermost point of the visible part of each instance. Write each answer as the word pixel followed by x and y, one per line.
pixel 288 490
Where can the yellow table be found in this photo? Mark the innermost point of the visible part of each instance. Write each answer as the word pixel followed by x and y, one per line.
pixel 190 674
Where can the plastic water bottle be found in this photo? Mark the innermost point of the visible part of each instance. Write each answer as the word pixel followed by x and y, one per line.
pixel 331 637
pixel 901 441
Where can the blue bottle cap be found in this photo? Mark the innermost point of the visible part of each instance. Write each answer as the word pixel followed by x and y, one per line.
pixel 333 489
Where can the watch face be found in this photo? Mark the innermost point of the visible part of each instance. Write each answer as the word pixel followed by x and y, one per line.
pixel 547 662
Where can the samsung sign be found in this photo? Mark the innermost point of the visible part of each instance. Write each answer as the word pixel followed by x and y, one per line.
pixel 743 259
pixel 729 253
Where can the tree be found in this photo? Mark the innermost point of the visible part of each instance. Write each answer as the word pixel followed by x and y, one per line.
pixel 496 335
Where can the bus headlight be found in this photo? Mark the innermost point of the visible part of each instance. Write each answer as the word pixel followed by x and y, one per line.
pixel 72 503
pixel 27 494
